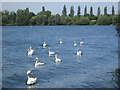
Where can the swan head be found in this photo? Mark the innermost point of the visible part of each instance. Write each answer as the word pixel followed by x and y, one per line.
pixel 36 58
pixel 49 48
pixel 56 55
pixel 74 41
pixel 28 72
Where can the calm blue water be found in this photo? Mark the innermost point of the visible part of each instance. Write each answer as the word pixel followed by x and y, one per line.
pixel 91 70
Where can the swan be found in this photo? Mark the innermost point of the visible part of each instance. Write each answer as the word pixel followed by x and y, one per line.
pixel 57 59
pixel 79 52
pixel 30 80
pixel 81 43
pixel 38 63
pixel 61 42
pixel 44 44
pixel 30 51
pixel 51 53
pixel 75 44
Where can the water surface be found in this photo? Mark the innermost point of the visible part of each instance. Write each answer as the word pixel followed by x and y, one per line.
pixel 91 70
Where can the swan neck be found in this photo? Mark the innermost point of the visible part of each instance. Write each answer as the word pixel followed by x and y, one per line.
pixel 56 57
pixel 36 61
pixel 28 76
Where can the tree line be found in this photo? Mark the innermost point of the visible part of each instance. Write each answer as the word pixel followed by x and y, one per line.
pixel 45 17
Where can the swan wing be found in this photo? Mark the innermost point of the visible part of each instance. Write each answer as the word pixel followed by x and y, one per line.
pixel 40 63
pixel 31 81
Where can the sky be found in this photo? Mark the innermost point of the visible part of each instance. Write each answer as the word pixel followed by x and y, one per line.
pixel 57 7
pixel 60 0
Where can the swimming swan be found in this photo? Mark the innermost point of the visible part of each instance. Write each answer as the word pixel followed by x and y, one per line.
pixel 44 44
pixel 61 42
pixel 30 80
pixel 75 44
pixel 81 43
pixel 30 51
pixel 38 63
pixel 79 52
pixel 57 59
pixel 51 53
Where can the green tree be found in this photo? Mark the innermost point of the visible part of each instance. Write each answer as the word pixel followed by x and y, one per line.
pixel 98 12
pixel 81 20
pixel 4 20
pixel 5 12
pixel 113 11
pixel 66 20
pixel 43 8
pixel 64 11
pixel 12 18
pixel 45 13
pixel 71 11
pixel 23 17
pixel 5 17
pixel 84 21
pixel 31 14
pixel 26 16
pixel 76 20
pixel 33 20
pixel 42 18
pixel 91 11
pixel 105 10
pixel 54 20
pixel 104 20
pixel 20 17
pixel 78 12
pixel 85 11
pixel 93 17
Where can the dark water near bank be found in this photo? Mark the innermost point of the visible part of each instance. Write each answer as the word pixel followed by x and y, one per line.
pixel 93 69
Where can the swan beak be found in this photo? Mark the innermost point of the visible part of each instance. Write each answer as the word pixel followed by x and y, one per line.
pixel 30 72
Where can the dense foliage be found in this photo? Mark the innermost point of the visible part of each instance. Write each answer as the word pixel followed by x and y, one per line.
pixel 25 17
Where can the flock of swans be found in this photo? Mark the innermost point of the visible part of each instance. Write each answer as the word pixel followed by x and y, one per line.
pixel 30 52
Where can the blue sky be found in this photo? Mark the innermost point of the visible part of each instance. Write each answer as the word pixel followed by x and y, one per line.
pixel 56 7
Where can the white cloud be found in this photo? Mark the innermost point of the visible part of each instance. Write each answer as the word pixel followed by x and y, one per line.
pixel 60 0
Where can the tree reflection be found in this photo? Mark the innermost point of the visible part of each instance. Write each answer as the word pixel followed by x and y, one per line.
pixel 116 78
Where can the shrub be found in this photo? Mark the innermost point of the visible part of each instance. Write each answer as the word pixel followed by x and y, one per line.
pixel 104 20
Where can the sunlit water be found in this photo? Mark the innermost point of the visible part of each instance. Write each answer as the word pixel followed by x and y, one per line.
pixel 91 70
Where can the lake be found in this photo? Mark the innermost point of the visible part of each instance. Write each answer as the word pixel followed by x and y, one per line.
pixel 94 69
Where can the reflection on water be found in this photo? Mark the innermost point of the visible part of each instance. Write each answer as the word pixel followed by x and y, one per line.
pixel 30 87
pixel 116 78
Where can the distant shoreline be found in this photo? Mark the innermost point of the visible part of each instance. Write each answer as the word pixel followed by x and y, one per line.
pixel 27 18
pixel 58 25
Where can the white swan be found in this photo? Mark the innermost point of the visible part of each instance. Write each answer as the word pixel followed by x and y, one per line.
pixel 30 51
pixel 81 43
pixel 61 42
pixel 57 59
pixel 38 63
pixel 51 53
pixel 79 52
pixel 75 44
pixel 30 80
pixel 44 44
